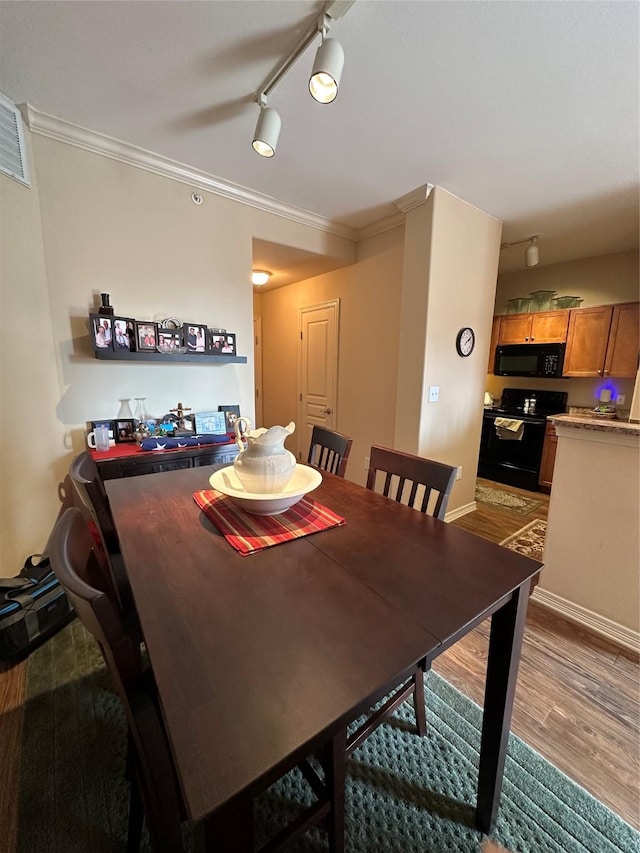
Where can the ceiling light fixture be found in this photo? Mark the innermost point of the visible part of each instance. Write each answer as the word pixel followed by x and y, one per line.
pixel 260 277
pixel 323 83
pixel 532 254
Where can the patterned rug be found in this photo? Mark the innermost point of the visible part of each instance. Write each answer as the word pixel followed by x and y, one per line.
pixel 405 794
pixel 529 540
pixel 505 500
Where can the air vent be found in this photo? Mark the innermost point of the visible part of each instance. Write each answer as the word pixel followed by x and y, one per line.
pixel 13 153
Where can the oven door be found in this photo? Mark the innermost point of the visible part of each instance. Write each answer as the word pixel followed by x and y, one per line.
pixel 512 461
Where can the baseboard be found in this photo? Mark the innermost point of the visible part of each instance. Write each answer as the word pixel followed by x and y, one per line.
pixel 460 511
pixel 607 628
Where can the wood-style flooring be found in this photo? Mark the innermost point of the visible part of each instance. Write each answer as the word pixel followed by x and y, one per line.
pixel 577 700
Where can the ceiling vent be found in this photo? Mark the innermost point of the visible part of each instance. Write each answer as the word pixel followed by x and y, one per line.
pixel 13 152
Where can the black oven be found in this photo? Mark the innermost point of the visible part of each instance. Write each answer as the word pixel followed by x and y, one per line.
pixel 544 360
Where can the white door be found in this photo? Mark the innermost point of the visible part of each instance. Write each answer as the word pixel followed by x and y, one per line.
pixel 317 371
pixel 257 366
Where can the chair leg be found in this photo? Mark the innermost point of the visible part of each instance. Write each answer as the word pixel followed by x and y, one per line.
pixel 136 815
pixel 419 701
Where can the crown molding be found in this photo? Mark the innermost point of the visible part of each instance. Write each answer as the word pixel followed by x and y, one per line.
pixel 98 143
pixel 414 199
pixel 379 227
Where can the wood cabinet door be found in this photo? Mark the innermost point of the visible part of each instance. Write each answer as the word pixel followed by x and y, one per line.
pixel 515 329
pixel 587 341
pixel 548 457
pixel 495 337
pixel 549 327
pixel 624 341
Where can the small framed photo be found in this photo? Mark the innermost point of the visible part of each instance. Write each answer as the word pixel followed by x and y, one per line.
pixel 108 424
pixel 231 415
pixel 101 331
pixel 224 344
pixel 146 336
pixel 124 431
pixel 169 340
pixel 211 423
pixel 123 334
pixel 195 337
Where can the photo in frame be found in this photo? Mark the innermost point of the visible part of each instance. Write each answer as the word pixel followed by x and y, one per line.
pixel 146 336
pixel 195 337
pixel 222 344
pixel 101 331
pixel 105 423
pixel 124 430
pixel 124 339
pixel 210 423
pixel 231 415
pixel 170 340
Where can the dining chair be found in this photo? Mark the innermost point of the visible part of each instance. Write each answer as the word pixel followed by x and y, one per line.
pixel 437 479
pixel 155 791
pixel 329 450
pixel 90 489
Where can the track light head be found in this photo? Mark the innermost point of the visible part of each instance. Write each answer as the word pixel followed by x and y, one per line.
pixel 327 70
pixel 265 138
pixel 532 255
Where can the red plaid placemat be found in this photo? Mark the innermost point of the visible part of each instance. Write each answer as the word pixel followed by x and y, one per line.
pixel 250 533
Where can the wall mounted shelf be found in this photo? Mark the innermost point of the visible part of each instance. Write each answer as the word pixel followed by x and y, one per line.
pixel 181 358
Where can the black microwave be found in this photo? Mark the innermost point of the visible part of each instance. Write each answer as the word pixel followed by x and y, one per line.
pixel 544 360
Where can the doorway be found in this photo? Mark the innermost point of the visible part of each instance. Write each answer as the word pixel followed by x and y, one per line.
pixel 317 370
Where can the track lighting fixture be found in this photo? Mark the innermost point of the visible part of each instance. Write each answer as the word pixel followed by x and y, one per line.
pixel 532 254
pixel 260 277
pixel 265 138
pixel 323 83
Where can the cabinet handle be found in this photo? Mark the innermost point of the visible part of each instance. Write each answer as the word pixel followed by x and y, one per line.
pixel 599 373
pixel 533 339
pixel 526 339
pixel 606 372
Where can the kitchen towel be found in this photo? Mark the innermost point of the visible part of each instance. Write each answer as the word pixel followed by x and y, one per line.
pixel 509 429
pixel 250 533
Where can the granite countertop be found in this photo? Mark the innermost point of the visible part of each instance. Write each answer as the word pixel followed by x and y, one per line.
pixel 582 418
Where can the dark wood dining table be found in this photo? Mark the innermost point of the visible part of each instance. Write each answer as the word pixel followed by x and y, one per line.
pixel 258 658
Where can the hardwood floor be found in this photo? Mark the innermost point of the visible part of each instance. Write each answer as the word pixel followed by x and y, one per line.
pixel 577 700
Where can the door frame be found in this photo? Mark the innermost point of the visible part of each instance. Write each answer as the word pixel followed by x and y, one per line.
pixel 258 392
pixel 329 303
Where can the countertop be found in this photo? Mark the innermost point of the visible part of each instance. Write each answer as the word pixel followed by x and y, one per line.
pixel 581 418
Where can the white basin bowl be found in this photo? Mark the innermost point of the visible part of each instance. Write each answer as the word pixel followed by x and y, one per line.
pixel 304 480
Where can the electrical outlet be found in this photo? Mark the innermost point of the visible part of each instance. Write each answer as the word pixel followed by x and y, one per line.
pixel 459 474
pixel 434 393
pixel 620 399
pixel 366 463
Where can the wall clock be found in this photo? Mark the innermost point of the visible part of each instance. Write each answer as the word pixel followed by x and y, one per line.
pixel 465 341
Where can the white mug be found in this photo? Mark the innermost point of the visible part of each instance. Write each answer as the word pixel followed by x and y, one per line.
pixel 99 438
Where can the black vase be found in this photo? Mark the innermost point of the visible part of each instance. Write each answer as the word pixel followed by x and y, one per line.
pixel 105 308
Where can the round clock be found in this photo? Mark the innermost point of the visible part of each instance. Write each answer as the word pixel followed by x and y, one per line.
pixel 465 341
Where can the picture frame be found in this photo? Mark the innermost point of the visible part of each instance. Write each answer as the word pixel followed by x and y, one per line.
pixel 101 331
pixel 231 415
pixel 210 423
pixel 146 336
pixel 195 337
pixel 124 337
pixel 124 430
pixel 222 344
pixel 105 422
pixel 170 340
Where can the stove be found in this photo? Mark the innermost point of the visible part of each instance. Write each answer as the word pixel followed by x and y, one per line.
pixel 516 461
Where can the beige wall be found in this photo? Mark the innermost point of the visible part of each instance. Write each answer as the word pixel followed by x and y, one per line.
pixel 369 294
pixel 451 263
pixel 603 280
pixel 592 551
pixel 90 225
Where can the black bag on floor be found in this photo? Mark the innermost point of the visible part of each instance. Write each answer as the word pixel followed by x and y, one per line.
pixel 33 606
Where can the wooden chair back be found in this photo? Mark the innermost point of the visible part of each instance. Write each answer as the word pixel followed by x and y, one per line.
pixel 75 561
pixel 436 477
pixel 329 450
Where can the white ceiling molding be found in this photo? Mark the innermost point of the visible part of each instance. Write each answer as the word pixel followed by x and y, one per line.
pixel 414 198
pixel 379 227
pixel 98 143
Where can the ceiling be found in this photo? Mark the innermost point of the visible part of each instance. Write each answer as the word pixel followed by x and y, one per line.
pixel 528 110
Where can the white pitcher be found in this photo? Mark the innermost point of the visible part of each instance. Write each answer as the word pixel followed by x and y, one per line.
pixel 266 466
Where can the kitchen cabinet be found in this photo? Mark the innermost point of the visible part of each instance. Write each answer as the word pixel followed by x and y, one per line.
pixel 495 337
pixel 603 341
pixel 548 460
pixel 543 327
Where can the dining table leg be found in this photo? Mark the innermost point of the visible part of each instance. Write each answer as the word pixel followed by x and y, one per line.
pixel 230 829
pixel 505 644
